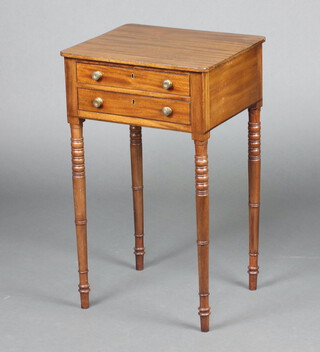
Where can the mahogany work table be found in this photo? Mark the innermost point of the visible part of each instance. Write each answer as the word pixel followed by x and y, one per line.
pixel 174 79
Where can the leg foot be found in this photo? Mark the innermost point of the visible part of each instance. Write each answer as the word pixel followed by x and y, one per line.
pixel 204 323
pixel 84 296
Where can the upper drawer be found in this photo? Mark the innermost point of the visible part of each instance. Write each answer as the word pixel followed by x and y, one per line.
pixel 134 78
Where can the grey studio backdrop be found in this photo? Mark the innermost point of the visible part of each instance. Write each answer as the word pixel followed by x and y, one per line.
pixel 156 310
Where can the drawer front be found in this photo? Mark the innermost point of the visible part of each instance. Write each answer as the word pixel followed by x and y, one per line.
pixel 134 78
pixel 134 105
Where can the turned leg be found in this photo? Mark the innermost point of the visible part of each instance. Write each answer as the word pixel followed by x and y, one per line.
pixel 202 209
pixel 254 194
pixel 137 192
pixel 79 194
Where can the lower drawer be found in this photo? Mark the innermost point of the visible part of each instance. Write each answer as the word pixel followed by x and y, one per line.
pixel 168 110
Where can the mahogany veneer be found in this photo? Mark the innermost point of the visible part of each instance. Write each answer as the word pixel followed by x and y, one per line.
pixel 175 79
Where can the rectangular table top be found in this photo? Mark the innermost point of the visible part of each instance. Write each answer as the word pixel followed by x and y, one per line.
pixel 163 47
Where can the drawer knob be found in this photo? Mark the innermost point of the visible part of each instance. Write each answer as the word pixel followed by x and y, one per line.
pixel 167 84
pixel 167 111
pixel 97 102
pixel 97 75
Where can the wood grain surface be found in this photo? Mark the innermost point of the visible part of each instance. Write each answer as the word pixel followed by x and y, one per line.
pixel 173 48
pixel 235 85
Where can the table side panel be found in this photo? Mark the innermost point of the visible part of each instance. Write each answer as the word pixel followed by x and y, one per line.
pixel 235 85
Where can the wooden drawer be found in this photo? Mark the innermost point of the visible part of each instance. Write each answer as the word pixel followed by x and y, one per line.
pixel 134 105
pixel 134 78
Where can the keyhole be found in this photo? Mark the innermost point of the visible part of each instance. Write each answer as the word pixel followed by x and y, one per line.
pixel 133 101
pixel 132 75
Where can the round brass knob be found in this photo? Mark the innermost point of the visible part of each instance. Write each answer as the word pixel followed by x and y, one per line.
pixel 97 102
pixel 167 111
pixel 97 75
pixel 167 84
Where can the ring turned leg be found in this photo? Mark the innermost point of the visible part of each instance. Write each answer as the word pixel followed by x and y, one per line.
pixel 79 194
pixel 202 209
pixel 137 192
pixel 254 194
